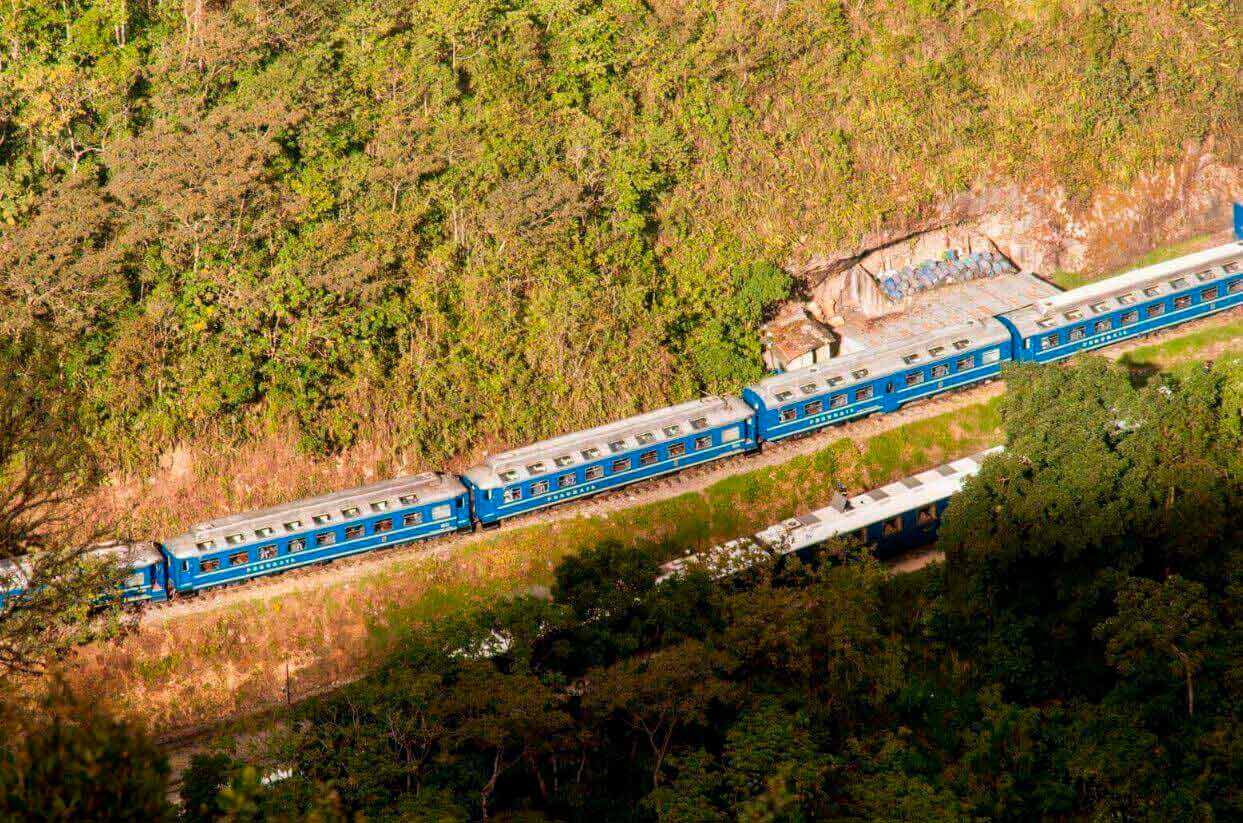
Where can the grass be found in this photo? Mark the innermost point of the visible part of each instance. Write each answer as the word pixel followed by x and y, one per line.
pixel 1073 280
pixel 1162 355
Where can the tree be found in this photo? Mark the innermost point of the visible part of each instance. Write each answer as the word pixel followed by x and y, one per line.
pixel 1168 620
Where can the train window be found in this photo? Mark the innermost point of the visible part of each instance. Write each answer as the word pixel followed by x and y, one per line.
pixel 415 518
pixel 731 434
pixel 235 539
pixel 1182 302
pixel 788 414
pixel 893 526
pixel 382 526
pixel 965 363
pixel 677 449
pixel 1077 333
pixel 864 393
pixel 1100 307
pixel 536 468
pixel 354 532
pixel 1101 326
pixel 910 358
pixel 563 461
pixel 782 396
pixel 645 438
pixel 351 512
pixel 961 344
pixel 293 525
pixel 297 545
pixel 699 423
pixel 859 374
pixel 940 370
pixel 590 454
pixel 704 442
pixel 808 388
pixel 814 407
pixel 936 351
pixel 441 512
pixel 1155 310
pixel 1209 294
pixel 380 506
pixel 206 545
pixel 135 580
pixel 594 472
pixel 648 458
pixel 239 559
pixel 1152 291
pixel 209 565
pixel 1126 299
pixel 1045 323
pixel 914 378
pixel 267 552
pixel 321 519
pixel 1130 317
pixel 1074 314
pixel 509 496
pixel 617 446
pixel 837 401
pixel 266 531
pixel 325 538
pixel 992 355
pixel 1235 287
pixel 539 488
pixel 567 480
pixel 1231 267
pixel 672 431
pixel 1205 275
pixel 1049 341
pixel 834 381
pixel 621 465
pixel 1179 283
pixel 927 515
pixel 509 476
pixel 408 499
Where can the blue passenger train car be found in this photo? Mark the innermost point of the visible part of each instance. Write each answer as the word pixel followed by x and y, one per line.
pixel 145 579
pixel 317 529
pixel 859 384
pixel 608 456
pixel 1128 305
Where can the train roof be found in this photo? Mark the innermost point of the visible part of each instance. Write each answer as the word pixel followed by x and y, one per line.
pixel 864 367
pixel 263 524
pixel 1114 293
pixel 133 555
pixel 617 437
pixel 843 516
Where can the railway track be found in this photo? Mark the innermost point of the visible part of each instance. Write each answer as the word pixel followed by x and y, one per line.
pixel 689 480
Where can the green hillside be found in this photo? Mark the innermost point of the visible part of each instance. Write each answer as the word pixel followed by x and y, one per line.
pixel 485 221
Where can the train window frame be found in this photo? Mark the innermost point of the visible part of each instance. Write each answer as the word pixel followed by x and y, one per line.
pixel 239 559
pixel 1178 283
pixel 416 518
pixel 1205 275
pixel 511 494
pixel 814 407
pixel 563 461
pixel 965 363
pixel 205 545
pixel 645 438
pixel 1130 317
pixel 267 552
pixel 649 458
pixel 593 473
pixel 703 442
pixel 1126 299
pixel 961 344
pixel 788 414
pixel 567 480
pixel 1235 286
pixel 1050 340
pixel 891 526
pixel 835 381
pixel 936 351
pixel 1075 334
pixel 991 356
pixel 1209 294
pixel 293 526
pixel 622 464
pixel 296 545
pixel 1182 301
pixel 731 434
pixel 327 538
pixel 209 565
pixel 783 396
pixel 382 526
pixel 1154 310
pixel 838 400
pixel 508 476
pixel 1230 266
pixel 1152 291
pixel 380 506
pixel 864 393
pixel 940 370
pixel 321 519
pixel 409 499
pixel 699 424
pixel 264 531
pixel 1098 308
pixel 590 454
pixel 914 378
pixel 1101 326
pixel 1045 323
pixel 354 532
pixel 672 431
pixel 859 374
pixel 808 388
pixel 442 511
pixel 1074 314
pixel 927 515
pixel 677 450
pixel 350 513
pixel 235 539
pixel 538 467
pixel 539 487
pixel 617 446
pixel 908 359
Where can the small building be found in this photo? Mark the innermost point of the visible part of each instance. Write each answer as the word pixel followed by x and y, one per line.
pixel 794 340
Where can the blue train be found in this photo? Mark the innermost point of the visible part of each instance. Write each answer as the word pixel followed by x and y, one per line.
pixel 243 546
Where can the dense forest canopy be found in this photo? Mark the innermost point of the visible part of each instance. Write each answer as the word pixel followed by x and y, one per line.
pixel 485 221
